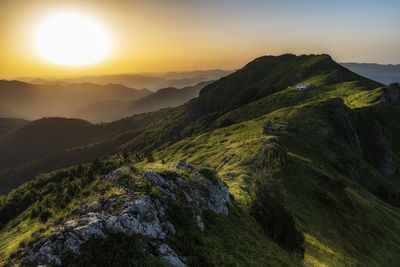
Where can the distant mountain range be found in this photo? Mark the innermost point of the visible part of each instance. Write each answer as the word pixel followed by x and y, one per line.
pixel 381 73
pixel 30 101
pixel 151 81
pixel 163 98
pixel 92 102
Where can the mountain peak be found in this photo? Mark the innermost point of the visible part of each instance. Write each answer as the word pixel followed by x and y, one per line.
pixel 266 75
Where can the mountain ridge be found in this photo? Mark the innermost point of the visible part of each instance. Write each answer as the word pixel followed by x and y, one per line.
pixel 325 190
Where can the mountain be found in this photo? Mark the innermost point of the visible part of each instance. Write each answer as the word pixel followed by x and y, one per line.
pixel 152 81
pixel 267 75
pixel 163 98
pixel 99 111
pixel 30 101
pixel 42 137
pixel 8 125
pixel 323 192
pixel 385 74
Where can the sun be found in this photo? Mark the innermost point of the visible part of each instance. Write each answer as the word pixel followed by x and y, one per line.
pixel 71 39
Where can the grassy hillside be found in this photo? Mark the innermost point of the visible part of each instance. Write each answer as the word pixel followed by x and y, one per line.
pixel 266 75
pixel 333 173
pixel 329 188
pixel 50 198
pixel 220 104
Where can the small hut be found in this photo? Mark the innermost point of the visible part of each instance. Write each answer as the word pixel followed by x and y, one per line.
pixel 271 129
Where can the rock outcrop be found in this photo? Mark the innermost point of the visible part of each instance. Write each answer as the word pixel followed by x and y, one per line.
pixel 132 214
pixel 383 154
pixel 391 93
pixel 343 125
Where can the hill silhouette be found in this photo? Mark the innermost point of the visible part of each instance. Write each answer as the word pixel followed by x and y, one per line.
pixel 30 101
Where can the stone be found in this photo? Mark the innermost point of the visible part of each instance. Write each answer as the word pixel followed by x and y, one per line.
pixel 116 174
pixel 94 206
pixel 199 222
pixel 170 256
pixel 131 214
pixel 170 227
pixel 304 86
pixel 181 164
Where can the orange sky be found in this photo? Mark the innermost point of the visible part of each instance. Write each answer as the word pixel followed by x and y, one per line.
pixel 195 35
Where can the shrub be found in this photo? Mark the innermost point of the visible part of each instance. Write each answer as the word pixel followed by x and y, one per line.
pixel 117 250
pixel 210 175
pixel 44 215
pixel 149 156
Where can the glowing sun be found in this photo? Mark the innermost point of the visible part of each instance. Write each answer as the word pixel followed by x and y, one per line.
pixel 71 39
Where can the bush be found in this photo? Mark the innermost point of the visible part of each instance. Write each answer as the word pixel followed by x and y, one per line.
pixel 44 215
pixel 149 156
pixel 117 250
pixel 210 175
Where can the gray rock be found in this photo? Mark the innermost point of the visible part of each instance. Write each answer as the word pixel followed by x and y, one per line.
pixel 304 86
pixel 116 174
pixel 156 179
pixel 94 206
pixel 131 214
pixel 181 164
pixel 199 222
pixel 170 227
pixel 170 256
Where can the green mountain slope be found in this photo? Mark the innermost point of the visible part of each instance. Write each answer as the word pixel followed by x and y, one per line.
pixel 264 76
pixel 346 206
pixel 332 176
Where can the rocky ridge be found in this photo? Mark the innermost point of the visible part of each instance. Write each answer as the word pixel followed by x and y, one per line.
pixel 132 214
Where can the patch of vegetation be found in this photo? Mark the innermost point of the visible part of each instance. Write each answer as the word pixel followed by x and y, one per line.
pixel 116 250
pixel 226 241
pixel 267 205
pixel 210 175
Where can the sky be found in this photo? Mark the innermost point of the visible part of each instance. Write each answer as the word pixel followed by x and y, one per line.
pixel 176 35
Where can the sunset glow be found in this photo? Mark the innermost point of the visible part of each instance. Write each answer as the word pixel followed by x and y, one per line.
pixel 94 37
pixel 71 39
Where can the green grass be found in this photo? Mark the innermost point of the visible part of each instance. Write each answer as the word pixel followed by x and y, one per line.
pixel 345 223
pixel 235 239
